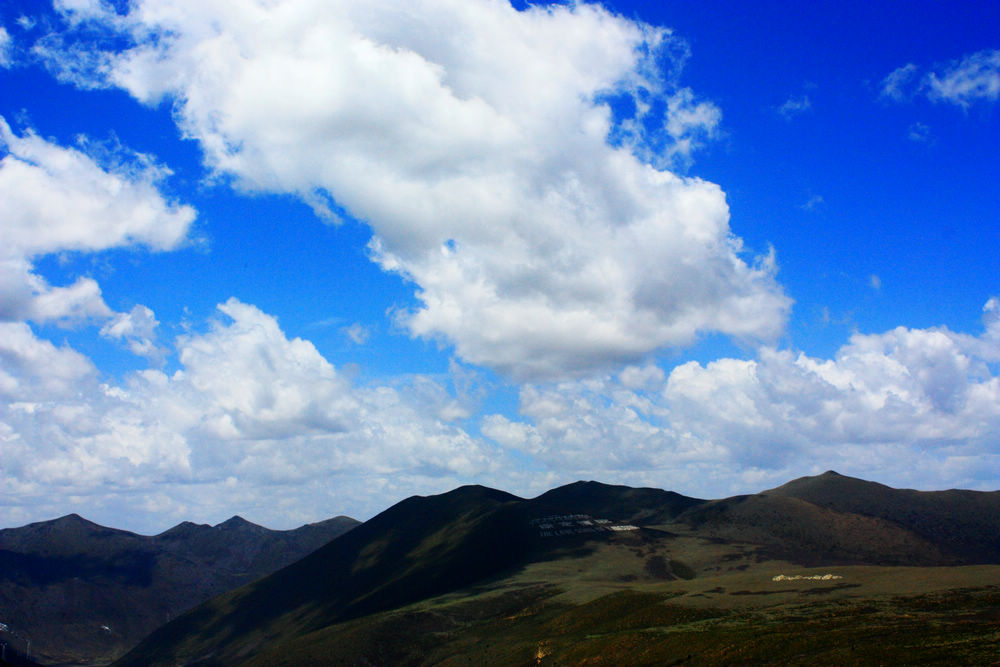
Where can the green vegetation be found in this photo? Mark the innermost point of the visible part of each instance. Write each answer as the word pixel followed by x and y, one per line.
pixel 531 626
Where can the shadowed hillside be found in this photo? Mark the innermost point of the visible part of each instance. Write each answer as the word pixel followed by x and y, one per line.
pixel 81 592
pixel 964 525
pixel 788 528
pixel 419 548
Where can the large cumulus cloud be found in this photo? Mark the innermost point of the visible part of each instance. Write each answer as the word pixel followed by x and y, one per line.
pixel 908 406
pixel 543 233
pixel 252 421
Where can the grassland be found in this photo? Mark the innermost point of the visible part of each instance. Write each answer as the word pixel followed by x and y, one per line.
pixel 609 606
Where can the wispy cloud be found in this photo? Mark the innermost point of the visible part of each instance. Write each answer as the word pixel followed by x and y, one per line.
pixel 6 44
pixel 919 132
pixel 975 77
pixel 795 106
pixel 963 82
pixel 358 333
pixel 899 84
pixel 813 203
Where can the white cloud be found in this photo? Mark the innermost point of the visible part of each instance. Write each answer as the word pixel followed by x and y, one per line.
pixel 25 295
pixel 5 47
pixel 35 370
pixel 794 106
pixel 137 328
pixel 975 77
pixel 247 403
pixel 636 377
pixel 358 333
pixel 908 406
pixel 61 199
pixel 58 198
pixel 473 139
pixel 899 84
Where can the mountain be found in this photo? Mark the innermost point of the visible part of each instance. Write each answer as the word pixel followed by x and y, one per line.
pixel 638 506
pixel 419 548
pixel 964 525
pixel 84 593
pixel 792 529
pixel 588 570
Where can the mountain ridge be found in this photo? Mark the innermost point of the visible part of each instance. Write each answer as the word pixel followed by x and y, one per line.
pixel 84 592
pixel 476 538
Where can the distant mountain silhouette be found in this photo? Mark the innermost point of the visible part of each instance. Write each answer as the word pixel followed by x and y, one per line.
pixel 81 592
pixel 474 536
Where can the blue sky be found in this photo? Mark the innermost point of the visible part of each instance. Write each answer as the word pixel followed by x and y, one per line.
pixel 298 259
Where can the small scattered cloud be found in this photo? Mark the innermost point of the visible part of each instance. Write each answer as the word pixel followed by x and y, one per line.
pixel 875 282
pixel 813 203
pixel 795 106
pixel 358 333
pixel 973 78
pixel 899 85
pixel 919 132
pixel 690 122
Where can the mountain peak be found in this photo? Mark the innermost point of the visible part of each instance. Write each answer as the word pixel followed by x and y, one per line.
pixel 75 522
pixel 237 522
pixel 71 519
pixel 184 529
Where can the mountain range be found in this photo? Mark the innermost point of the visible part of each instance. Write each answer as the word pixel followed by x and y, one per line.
pixel 479 576
pixel 826 569
pixel 84 593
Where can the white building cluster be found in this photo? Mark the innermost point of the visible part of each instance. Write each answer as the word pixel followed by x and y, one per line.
pixel 802 577
pixel 577 524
